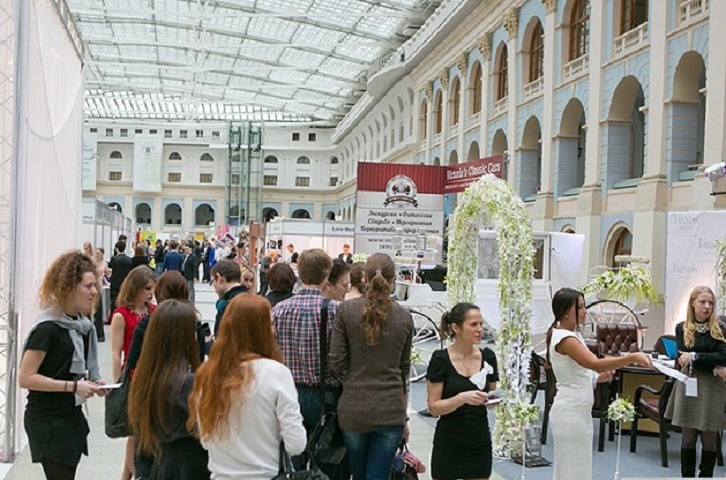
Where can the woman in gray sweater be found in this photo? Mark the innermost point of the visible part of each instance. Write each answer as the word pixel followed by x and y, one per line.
pixel 371 345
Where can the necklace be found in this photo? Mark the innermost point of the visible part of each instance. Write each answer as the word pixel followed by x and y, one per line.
pixel 702 327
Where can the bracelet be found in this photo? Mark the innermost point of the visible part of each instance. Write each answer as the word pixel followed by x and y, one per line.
pixel 75 386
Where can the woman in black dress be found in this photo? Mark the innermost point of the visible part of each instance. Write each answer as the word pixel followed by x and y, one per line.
pixel 158 400
pixel 60 366
pixel 702 346
pixel 459 378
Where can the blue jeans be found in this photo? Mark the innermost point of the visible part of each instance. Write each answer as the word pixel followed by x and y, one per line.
pixel 371 454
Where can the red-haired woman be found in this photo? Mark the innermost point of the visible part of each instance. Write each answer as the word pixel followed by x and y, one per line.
pixel 158 401
pixel 244 400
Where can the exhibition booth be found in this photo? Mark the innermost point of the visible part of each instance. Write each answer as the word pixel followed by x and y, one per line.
pixel 304 234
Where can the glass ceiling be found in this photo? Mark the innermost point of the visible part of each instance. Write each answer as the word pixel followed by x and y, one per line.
pixel 269 60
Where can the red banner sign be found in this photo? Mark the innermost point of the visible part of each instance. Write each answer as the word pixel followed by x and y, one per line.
pixel 458 177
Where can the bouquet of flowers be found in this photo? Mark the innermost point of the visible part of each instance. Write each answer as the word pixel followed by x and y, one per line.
pixel 621 410
pixel 629 282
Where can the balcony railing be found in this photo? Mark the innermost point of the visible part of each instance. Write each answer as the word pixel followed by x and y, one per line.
pixel 532 89
pixel 636 36
pixel 437 139
pixel 576 67
pixel 454 130
pixel 692 10
pixel 474 120
pixel 422 145
pixel 500 106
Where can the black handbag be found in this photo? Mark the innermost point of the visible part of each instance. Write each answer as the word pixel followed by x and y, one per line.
pixel 116 414
pixel 286 471
pixel 326 440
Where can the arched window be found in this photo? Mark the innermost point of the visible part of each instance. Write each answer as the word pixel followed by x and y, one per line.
pixel 334 161
pixel 300 213
pixel 536 53
pixel 303 161
pixel 206 158
pixel 502 73
pixel 271 159
pixel 438 112
pixel 143 214
pixel 116 155
pixel 204 215
pixel 172 214
pixel 330 215
pixel 175 156
pixel 633 13
pixel 454 101
pixel 268 214
pixel 621 243
pixel 475 82
pixel 423 113
pixel 579 29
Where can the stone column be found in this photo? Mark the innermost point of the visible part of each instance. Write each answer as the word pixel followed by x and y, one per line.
pixel 544 209
pixel 485 46
pixel 511 23
pixel 461 63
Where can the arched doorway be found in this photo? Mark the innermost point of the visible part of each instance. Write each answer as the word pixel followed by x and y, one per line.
pixel 570 148
pixel 204 215
pixel 499 147
pixel 268 214
pixel 625 135
pixel 473 152
pixel 143 214
pixel 173 214
pixel 687 117
pixel 300 213
pixel 330 215
pixel 620 242
pixel 530 160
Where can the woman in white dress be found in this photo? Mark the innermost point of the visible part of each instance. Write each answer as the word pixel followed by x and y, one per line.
pixel 577 371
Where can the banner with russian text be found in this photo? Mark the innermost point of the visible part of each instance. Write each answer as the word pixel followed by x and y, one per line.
pixel 397 201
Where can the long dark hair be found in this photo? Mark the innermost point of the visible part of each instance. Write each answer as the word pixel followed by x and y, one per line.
pixel 562 301
pixel 456 316
pixel 170 352
pixel 380 275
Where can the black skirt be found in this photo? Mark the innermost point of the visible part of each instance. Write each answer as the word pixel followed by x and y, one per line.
pixel 182 459
pixel 462 449
pixel 61 438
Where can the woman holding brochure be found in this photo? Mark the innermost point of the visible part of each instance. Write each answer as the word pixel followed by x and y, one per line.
pixel 577 371
pixel 60 366
pixel 698 406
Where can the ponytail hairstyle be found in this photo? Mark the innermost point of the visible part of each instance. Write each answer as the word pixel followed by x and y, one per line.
pixel 455 316
pixel 380 275
pixel 562 301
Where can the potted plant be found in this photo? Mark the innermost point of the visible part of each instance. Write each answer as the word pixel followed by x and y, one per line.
pixel 631 283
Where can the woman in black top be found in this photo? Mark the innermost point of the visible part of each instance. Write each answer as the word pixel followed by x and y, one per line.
pixel 140 256
pixel 60 366
pixel 459 379
pixel 158 400
pixel 701 346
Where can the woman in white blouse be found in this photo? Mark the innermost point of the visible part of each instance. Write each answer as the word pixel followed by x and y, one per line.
pixel 244 401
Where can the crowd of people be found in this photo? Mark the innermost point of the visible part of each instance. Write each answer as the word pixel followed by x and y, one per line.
pixel 325 335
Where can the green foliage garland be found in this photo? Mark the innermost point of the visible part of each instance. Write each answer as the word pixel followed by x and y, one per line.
pixel 491 201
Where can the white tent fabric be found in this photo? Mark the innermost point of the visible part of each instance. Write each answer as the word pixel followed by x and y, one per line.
pixel 49 131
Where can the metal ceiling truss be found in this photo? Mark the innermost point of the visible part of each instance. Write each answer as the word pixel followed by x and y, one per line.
pixel 292 58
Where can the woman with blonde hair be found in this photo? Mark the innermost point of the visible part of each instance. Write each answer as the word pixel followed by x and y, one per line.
pixel 134 302
pixel 60 351
pixel 244 401
pixel 158 400
pixel 701 347
pixel 371 346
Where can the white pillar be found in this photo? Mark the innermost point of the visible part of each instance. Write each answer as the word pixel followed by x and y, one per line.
pixel 548 120
pixel 511 25
pixel 714 138
pixel 485 46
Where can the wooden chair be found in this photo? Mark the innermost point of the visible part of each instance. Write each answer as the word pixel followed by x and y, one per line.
pixel 653 407
pixel 537 379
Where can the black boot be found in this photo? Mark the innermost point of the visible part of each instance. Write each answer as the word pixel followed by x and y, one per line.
pixel 688 462
pixel 708 460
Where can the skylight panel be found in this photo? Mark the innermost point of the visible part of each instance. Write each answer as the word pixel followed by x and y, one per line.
pixel 301 58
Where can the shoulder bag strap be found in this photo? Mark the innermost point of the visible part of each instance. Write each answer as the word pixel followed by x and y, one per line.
pixel 323 345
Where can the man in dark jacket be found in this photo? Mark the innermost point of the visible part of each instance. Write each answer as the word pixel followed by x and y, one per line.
pixel 227 282
pixel 190 268
pixel 159 257
pixel 120 266
pixel 173 260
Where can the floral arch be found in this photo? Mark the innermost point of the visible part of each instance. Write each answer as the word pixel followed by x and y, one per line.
pixel 492 201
